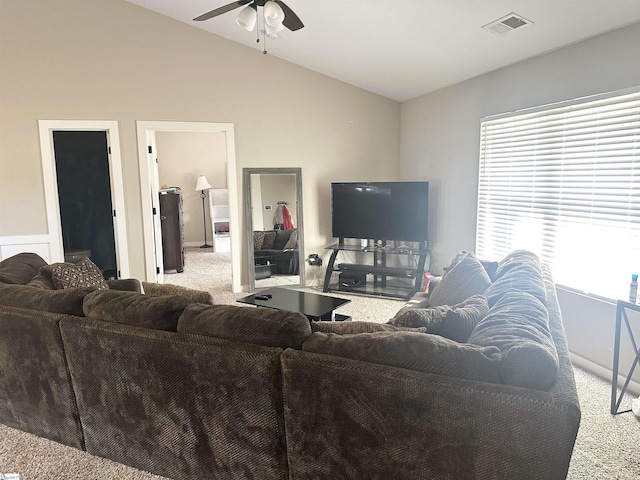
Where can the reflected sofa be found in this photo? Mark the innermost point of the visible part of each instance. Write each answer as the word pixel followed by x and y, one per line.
pixel 279 248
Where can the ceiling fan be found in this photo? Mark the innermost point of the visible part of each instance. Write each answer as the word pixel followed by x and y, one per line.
pixel 276 14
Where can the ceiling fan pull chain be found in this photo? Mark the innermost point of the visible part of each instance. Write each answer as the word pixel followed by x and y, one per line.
pixel 264 34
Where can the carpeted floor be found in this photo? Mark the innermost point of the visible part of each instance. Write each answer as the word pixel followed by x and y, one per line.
pixel 606 447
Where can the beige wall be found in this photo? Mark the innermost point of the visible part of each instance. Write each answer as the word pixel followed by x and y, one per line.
pixel 277 188
pixel 441 131
pixel 182 158
pixel 98 60
pixel 440 143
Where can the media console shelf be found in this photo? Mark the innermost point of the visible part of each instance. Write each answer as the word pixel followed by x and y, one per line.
pixel 353 276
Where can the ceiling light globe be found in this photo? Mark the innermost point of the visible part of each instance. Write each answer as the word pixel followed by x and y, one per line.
pixel 247 18
pixel 271 31
pixel 273 13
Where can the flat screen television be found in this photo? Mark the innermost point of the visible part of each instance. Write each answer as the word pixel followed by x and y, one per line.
pixel 380 210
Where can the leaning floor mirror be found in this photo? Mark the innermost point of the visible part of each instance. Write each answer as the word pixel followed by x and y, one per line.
pixel 274 233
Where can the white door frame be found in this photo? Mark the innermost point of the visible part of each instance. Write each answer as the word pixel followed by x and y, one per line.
pixel 46 129
pixel 149 186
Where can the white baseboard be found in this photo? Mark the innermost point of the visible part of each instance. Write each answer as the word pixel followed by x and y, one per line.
pixel 606 373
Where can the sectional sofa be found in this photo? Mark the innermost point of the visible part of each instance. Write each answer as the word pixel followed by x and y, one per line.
pixel 470 381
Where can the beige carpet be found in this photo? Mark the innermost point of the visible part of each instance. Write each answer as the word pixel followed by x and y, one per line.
pixel 606 448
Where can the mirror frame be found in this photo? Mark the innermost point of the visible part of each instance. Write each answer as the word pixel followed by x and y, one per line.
pixel 248 217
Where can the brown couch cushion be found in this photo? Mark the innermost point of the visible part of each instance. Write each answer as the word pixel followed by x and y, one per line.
pixel 194 296
pixel 268 240
pixel 520 271
pixel 467 278
pixel 262 326
pixel 518 324
pixel 21 268
pixel 136 309
pixel 350 328
pixel 83 274
pixel 455 323
pixel 420 352
pixel 67 301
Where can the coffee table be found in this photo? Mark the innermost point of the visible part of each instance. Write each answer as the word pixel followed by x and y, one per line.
pixel 312 305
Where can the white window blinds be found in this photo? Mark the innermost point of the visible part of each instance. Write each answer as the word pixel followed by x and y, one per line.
pixel 564 181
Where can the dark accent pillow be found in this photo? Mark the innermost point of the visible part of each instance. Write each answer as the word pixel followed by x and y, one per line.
pixel 455 323
pixel 282 237
pixel 67 301
pixel 518 324
pixel 85 273
pixel 292 243
pixel 262 326
pixel 351 328
pixel 21 268
pixel 423 353
pixel 268 240
pixel 136 309
pixel 258 239
pixel 193 296
pixel 465 279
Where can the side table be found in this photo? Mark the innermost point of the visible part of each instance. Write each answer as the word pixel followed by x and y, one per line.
pixel 621 312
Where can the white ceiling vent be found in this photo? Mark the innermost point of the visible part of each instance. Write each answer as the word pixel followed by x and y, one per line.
pixel 507 24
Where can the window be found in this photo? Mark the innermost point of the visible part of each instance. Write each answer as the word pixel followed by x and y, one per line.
pixel 564 181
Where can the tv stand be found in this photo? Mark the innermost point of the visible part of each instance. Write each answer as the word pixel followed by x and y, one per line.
pixel 353 275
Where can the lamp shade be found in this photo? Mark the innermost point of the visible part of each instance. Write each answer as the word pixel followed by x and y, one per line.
pixel 273 13
pixel 247 18
pixel 202 183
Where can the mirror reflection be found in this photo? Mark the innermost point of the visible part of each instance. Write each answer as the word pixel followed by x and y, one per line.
pixel 274 227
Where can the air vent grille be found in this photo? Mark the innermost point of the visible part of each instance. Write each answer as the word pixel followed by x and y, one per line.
pixel 507 24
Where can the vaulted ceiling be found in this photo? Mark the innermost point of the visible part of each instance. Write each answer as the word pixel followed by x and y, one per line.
pixel 402 49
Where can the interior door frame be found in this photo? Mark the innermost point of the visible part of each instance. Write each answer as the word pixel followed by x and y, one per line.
pixel 149 186
pixel 47 151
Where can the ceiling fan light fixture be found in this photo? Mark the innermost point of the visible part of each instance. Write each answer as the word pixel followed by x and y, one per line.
pixel 273 14
pixel 247 18
pixel 272 31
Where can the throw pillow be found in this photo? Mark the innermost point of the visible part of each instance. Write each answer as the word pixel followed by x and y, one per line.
pixel 67 301
pixel 136 309
pixel 455 323
pixel 262 326
pixel 423 353
pixel 258 239
pixel 282 237
pixel 269 239
pixel 292 243
pixel 351 328
pixel 21 268
pixel 518 324
pixel 465 279
pixel 83 274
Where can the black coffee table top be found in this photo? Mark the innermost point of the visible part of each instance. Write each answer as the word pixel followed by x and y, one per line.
pixel 312 305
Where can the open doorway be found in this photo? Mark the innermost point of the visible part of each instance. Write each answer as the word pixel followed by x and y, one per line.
pixel 84 194
pixel 150 184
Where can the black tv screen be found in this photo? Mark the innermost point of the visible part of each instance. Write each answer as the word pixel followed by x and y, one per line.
pixel 380 210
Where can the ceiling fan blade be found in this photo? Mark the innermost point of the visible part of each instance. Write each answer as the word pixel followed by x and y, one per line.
pixel 221 10
pixel 291 20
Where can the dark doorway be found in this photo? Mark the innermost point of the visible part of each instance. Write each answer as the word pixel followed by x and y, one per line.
pixel 84 193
